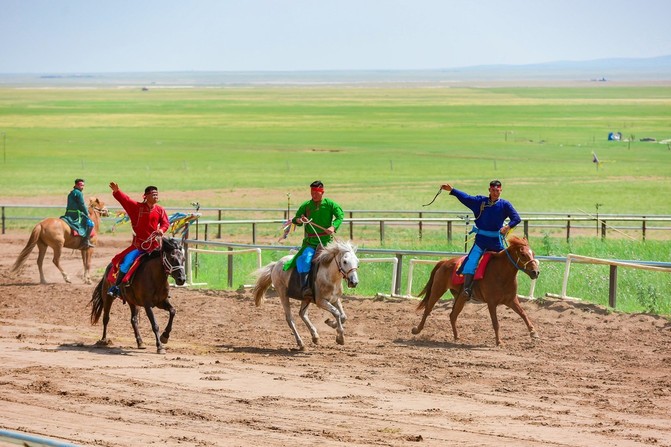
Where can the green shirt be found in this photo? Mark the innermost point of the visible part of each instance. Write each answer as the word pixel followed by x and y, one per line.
pixel 326 214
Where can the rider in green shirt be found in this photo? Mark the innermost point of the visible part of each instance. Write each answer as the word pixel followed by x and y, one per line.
pixel 322 218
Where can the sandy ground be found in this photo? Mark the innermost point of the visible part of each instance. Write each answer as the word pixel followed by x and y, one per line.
pixel 232 378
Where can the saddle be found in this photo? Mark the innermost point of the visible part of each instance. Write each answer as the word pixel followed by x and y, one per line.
pixel 458 277
pixel 113 270
pixel 294 288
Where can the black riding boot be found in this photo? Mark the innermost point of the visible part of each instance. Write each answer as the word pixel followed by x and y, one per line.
pixel 114 291
pixel 86 242
pixel 468 285
pixel 305 285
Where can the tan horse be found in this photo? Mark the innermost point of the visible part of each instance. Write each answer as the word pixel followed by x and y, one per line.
pixel 56 233
pixel 499 286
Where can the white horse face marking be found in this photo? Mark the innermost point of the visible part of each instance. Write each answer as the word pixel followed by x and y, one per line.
pixel 349 265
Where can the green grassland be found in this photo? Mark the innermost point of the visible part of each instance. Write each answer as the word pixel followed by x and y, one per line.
pixel 374 147
pixel 380 148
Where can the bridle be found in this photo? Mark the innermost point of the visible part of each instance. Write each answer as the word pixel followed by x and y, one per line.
pixel 517 263
pixel 342 271
pixel 167 266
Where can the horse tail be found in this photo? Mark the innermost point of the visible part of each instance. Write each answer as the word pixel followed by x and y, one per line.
pixel 263 282
pixel 426 291
pixel 97 299
pixel 32 241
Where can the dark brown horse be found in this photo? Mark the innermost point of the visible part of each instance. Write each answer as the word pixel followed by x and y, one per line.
pixel 499 286
pixel 148 288
pixel 56 233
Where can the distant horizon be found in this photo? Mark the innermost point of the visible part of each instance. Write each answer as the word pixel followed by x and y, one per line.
pixel 664 57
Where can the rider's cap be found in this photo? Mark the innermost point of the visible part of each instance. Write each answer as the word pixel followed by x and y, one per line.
pixel 495 183
pixel 149 189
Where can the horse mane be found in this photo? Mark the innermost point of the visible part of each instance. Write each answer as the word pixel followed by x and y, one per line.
pixel 517 241
pixel 333 248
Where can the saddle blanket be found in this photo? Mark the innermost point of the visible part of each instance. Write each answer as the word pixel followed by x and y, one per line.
pixel 116 262
pixel 458 278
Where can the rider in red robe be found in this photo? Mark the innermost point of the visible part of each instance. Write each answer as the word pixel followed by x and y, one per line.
pixel 149 222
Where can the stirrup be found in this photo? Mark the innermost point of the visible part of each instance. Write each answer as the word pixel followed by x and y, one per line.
pixel 113 291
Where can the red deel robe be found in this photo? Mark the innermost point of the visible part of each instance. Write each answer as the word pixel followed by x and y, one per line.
pixel 144 221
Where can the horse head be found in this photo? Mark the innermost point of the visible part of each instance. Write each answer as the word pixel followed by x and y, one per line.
pixel 523 257
pixel 344 255
pixel 173 256
pixel 99 206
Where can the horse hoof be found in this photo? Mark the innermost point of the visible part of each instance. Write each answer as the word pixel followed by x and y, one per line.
pixel 164 339
pixel 331 323
pixel 416 330
pixel 534 335
pixel 340 340
pixel 141 346
pixel 301 348
pixel 103 342
pixel 160 351
pixel 315 340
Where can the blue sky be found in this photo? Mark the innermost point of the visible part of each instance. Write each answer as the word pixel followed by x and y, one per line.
pixel 92 36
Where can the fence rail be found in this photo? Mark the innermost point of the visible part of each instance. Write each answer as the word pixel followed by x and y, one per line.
pixel 395 257
pixel 454 223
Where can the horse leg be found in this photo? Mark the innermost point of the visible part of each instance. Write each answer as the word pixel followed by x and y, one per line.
pixel 495 321
pixel 57 262
pixel 107 305
pixel 290 320
pixel 86 260
pixel 343 317
pixel 134 320
pixel 154 327
pixel 42 251
pixel 303 312
pixel 515 305
pixel 165 305
pixel 457 307
pixel 340 331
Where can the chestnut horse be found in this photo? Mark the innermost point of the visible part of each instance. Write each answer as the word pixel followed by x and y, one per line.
pixel 148 288
pixel 337 261
pixel 499 286
pixel 56 233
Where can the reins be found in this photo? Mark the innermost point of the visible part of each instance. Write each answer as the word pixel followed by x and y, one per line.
pixel 344 273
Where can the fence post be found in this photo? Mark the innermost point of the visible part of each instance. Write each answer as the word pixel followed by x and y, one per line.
pixel 3 220
pixel 526 229
pixel 254 233
pixel 219 231
pixel 449 231
pixel 230 268
pixel 399 269
pixel 351 226
pixel 568 228
pixel 603 229
pixel 612 287
pixel 206 231
pixel 381 231
pixel 420 226
pixel 643 229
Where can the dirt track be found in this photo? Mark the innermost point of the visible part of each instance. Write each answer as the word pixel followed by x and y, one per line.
pixel 231 376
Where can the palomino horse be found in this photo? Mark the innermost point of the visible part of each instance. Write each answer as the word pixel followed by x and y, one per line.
pixel 56 233
pixel 499 286
pixel 148 288
pixel 337 261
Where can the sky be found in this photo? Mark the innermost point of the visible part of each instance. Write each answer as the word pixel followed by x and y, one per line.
pixel 96 36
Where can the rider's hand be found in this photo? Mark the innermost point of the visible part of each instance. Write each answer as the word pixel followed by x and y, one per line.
pixel 304 219
pixel 446 187
pixel 505 229
pixel 330 230
pixel 114 187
